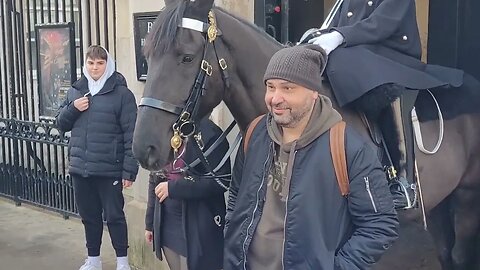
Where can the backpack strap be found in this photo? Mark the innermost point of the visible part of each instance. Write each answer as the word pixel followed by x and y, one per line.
pixel 249 132
pixel 337 150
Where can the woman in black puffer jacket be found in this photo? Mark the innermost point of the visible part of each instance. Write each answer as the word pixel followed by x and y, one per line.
pixel 185 213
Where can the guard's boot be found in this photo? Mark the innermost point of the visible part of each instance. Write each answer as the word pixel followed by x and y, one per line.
pixel 402 186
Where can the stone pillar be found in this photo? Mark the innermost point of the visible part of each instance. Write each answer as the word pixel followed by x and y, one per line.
pixel 140 253
pixel 242 8
pixel 422 20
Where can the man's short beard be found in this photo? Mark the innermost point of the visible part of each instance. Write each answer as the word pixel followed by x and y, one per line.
pixel 293 119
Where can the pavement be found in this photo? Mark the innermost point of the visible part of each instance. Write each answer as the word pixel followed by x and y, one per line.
pixel 33 238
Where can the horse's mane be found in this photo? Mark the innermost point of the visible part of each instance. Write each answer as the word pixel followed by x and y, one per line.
pixel 164 30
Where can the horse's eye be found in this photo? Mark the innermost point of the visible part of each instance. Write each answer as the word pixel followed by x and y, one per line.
pixel 187 59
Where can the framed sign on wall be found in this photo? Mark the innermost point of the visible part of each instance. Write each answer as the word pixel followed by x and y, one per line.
pixel 56 65
pixel 142 24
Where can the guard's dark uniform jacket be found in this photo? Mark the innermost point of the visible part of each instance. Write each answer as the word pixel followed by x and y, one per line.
pixel 382 45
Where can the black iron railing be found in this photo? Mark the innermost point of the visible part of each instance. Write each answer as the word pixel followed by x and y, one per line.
pixel 39 173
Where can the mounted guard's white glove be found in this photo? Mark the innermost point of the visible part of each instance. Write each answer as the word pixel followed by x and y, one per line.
pixel 329 41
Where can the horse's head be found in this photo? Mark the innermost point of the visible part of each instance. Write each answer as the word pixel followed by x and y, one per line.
pixel 180 54
pixel 182 68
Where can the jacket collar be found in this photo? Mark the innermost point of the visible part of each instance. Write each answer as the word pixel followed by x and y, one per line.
pixel 115 80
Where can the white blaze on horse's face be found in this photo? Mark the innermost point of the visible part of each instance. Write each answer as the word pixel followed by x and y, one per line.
pixel 289 103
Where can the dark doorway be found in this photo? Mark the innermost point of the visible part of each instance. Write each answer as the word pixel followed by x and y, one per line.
pixel 453 36
pixel 268 16
pixel 304 14
pixel 287 20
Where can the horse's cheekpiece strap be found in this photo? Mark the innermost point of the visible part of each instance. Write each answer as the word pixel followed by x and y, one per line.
pixel 194 24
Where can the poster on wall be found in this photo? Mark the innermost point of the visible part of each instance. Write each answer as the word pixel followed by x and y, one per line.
pixel 56 65
pixel 142 25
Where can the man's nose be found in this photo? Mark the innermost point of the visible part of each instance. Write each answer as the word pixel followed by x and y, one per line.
pixel 277 97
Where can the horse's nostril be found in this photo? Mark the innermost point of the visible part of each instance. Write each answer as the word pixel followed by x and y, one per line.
pixel 145 155
pixel 150 149
pixel 151 159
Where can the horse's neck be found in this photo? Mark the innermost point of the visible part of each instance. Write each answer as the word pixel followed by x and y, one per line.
pixel 349 115
pixel 249 53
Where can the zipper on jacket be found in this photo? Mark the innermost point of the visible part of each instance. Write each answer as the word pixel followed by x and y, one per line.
pixel 244 248
pixel 286 214
pixel 367 185
pixel 90 101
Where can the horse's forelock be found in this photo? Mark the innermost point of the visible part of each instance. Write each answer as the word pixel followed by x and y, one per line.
pixel 164 30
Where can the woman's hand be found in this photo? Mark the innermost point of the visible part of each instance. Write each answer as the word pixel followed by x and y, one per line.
pixel 148 236
pixel 161 190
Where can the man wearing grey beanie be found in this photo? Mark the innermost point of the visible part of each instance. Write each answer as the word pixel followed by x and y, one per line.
pixel 285 208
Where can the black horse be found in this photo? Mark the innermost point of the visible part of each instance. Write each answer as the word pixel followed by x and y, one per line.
pixel 180 55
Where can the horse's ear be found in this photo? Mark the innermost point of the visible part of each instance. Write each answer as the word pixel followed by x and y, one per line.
pixel 198 9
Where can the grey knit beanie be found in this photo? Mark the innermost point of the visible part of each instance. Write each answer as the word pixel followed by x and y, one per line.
pixel 302 65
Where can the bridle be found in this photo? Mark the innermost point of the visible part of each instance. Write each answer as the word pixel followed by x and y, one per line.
pixel 185 126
